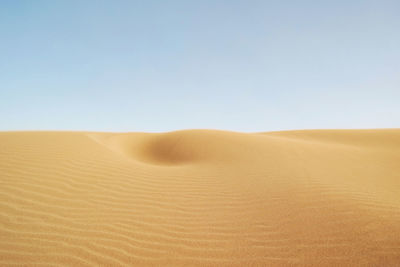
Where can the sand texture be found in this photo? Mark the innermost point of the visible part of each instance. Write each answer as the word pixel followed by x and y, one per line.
pixel 200 197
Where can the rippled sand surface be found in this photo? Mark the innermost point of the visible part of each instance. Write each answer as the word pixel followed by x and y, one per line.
pixel 200 197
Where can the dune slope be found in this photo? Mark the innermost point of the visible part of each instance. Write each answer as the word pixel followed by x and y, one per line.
pixel 200 197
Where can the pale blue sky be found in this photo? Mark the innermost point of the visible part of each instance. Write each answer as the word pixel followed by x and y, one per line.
pixel 168 65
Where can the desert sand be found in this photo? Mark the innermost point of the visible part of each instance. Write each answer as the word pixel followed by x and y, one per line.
pixel 200 197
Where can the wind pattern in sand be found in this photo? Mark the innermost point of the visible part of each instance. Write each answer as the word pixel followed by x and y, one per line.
pixel 200 197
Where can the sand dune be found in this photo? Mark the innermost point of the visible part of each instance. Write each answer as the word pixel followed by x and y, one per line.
pixel 200 197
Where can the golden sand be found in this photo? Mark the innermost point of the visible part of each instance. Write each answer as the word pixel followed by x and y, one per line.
pixel 200 197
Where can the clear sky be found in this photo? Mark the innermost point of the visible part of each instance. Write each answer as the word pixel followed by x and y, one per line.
pixel 168 65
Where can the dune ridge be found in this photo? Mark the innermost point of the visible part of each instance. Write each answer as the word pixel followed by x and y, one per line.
pixel 200 197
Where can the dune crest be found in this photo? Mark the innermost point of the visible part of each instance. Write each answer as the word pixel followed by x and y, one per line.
pixel 200 197
pixel 177 148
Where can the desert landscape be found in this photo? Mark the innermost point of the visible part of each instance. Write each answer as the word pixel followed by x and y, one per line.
pixel 200 198
pixel 200 133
